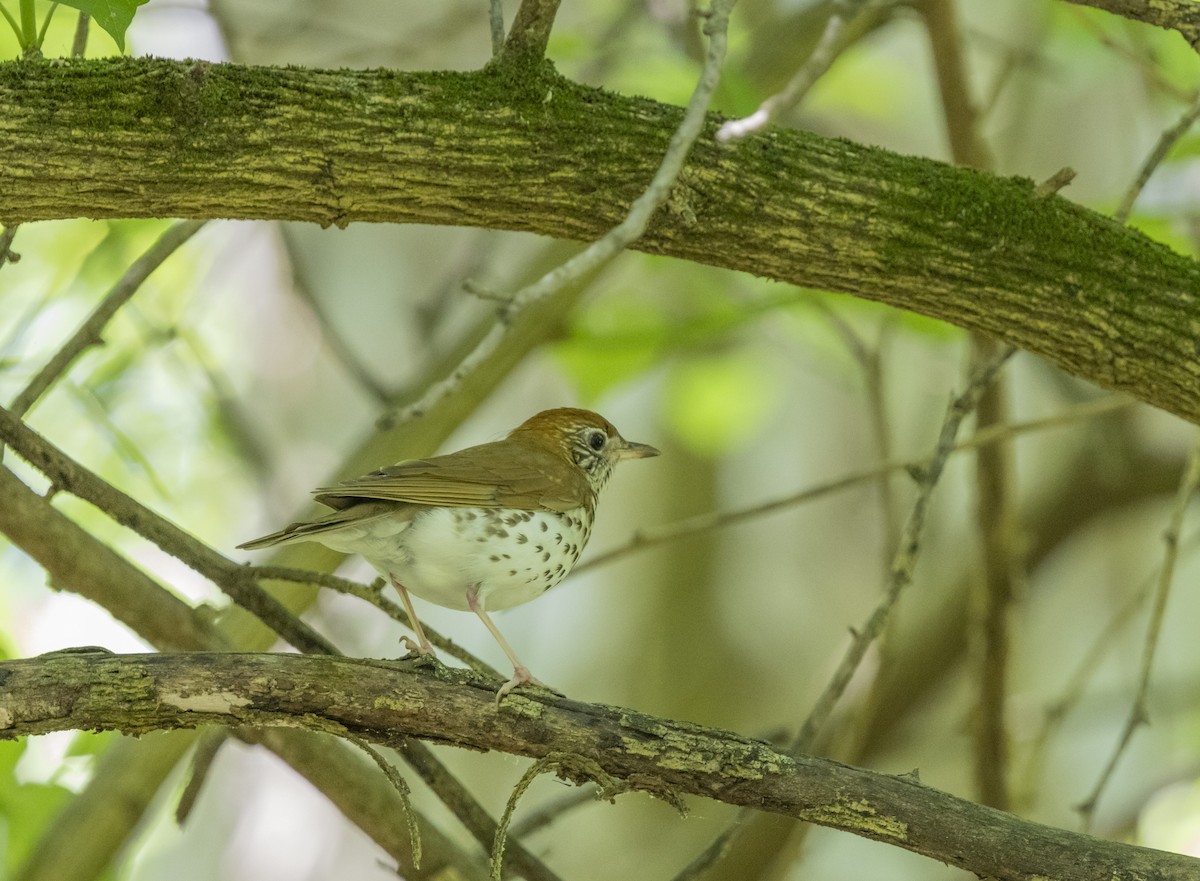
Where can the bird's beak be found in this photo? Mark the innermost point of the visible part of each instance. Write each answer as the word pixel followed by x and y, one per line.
pixel 636 451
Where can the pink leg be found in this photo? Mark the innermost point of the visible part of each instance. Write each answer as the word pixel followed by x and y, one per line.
pixel 421 646
pixel 521 674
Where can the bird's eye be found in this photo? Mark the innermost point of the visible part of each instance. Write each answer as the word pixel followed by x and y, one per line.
pixel 596 440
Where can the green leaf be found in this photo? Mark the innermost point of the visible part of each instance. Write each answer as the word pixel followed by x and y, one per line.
pixel 112 15
pixel 25 808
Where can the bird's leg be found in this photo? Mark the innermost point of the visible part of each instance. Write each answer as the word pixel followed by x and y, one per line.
pixel 521 674
pixel 421 646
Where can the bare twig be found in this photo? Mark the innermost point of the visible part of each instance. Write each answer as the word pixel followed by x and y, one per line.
pixel 1054 182
pixel 842 13
pixel 372 594
pixel 88 334
pixel 541 817
pixel 1072 693
pixel 1138 714
pixel 236 581
pixel 79 43
pixel 496 24
pixel 606 248
pixel 870 362
pixel 1174 15
pixel 906 554
pixel 716 850
pixel 652 537
pixel 993 464
pixel 1166 141
pixel 468 811
pixel 341 349
pixel 6 239
pixel 530 29
pixel 402 790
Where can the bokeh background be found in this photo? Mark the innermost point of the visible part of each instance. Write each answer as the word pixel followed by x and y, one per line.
pixel 252 363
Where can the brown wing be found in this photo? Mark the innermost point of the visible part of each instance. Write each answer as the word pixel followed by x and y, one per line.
pixel 496 475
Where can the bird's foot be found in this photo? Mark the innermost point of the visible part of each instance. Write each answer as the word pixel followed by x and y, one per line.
pixel 522 676
pixel 421 648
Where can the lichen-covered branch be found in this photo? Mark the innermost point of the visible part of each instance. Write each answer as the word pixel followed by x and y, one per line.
pixel 387 701
pixel 1174 15
pixel 986 253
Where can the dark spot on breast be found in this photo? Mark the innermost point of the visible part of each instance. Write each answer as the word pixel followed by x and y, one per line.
pixel 494 558
pixel 506 556
pixel 512 572
pixel 542 523
pixel 546 557
pixel 522 538
pixel 558 538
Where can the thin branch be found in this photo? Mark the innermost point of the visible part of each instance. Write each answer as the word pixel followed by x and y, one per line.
pixel 1138 714
pixel 842 14
pixel 235 580
pixel 341 349
pixel 652 537
pixel 993 464
pixel 386 703
pixel 496 24
pixel 401 788
pixel 372 594
pixel 74 560
pixel 1166 141
pixel 716 851
pixel 240 582
pixel 1072 693
pixel 870 362
pixel 79 43
pixel 6 240
pixel 545 815
pixel 1174 15
pixel 88 334
pixel 608 247
pixel 530 32
pixel 463 805
pixel 905 559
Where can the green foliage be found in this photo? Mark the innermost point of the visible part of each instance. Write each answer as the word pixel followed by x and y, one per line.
pixel 112 15
pixel 25 808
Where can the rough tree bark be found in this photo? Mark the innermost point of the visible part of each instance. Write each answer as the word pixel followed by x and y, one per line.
pixel 521 148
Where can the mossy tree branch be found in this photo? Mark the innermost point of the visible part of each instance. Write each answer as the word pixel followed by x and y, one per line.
pixel 387 701
pixel 528 150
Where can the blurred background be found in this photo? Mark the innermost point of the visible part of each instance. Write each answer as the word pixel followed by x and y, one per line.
pixel 249 367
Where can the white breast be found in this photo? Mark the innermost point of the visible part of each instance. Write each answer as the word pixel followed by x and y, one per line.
pixel 443 552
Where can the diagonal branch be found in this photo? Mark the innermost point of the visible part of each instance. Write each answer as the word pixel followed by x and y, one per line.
pixel 88 333
pixel 1174 15
pixel 385 702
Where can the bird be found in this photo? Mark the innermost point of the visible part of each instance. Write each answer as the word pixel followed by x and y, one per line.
pixel 483 529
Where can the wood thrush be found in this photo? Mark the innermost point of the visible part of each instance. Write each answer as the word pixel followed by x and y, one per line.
pixel 486 528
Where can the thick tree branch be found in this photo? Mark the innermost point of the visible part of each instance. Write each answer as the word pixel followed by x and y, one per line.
pixel 1173 15
pixel 335 147
pixel 387 701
